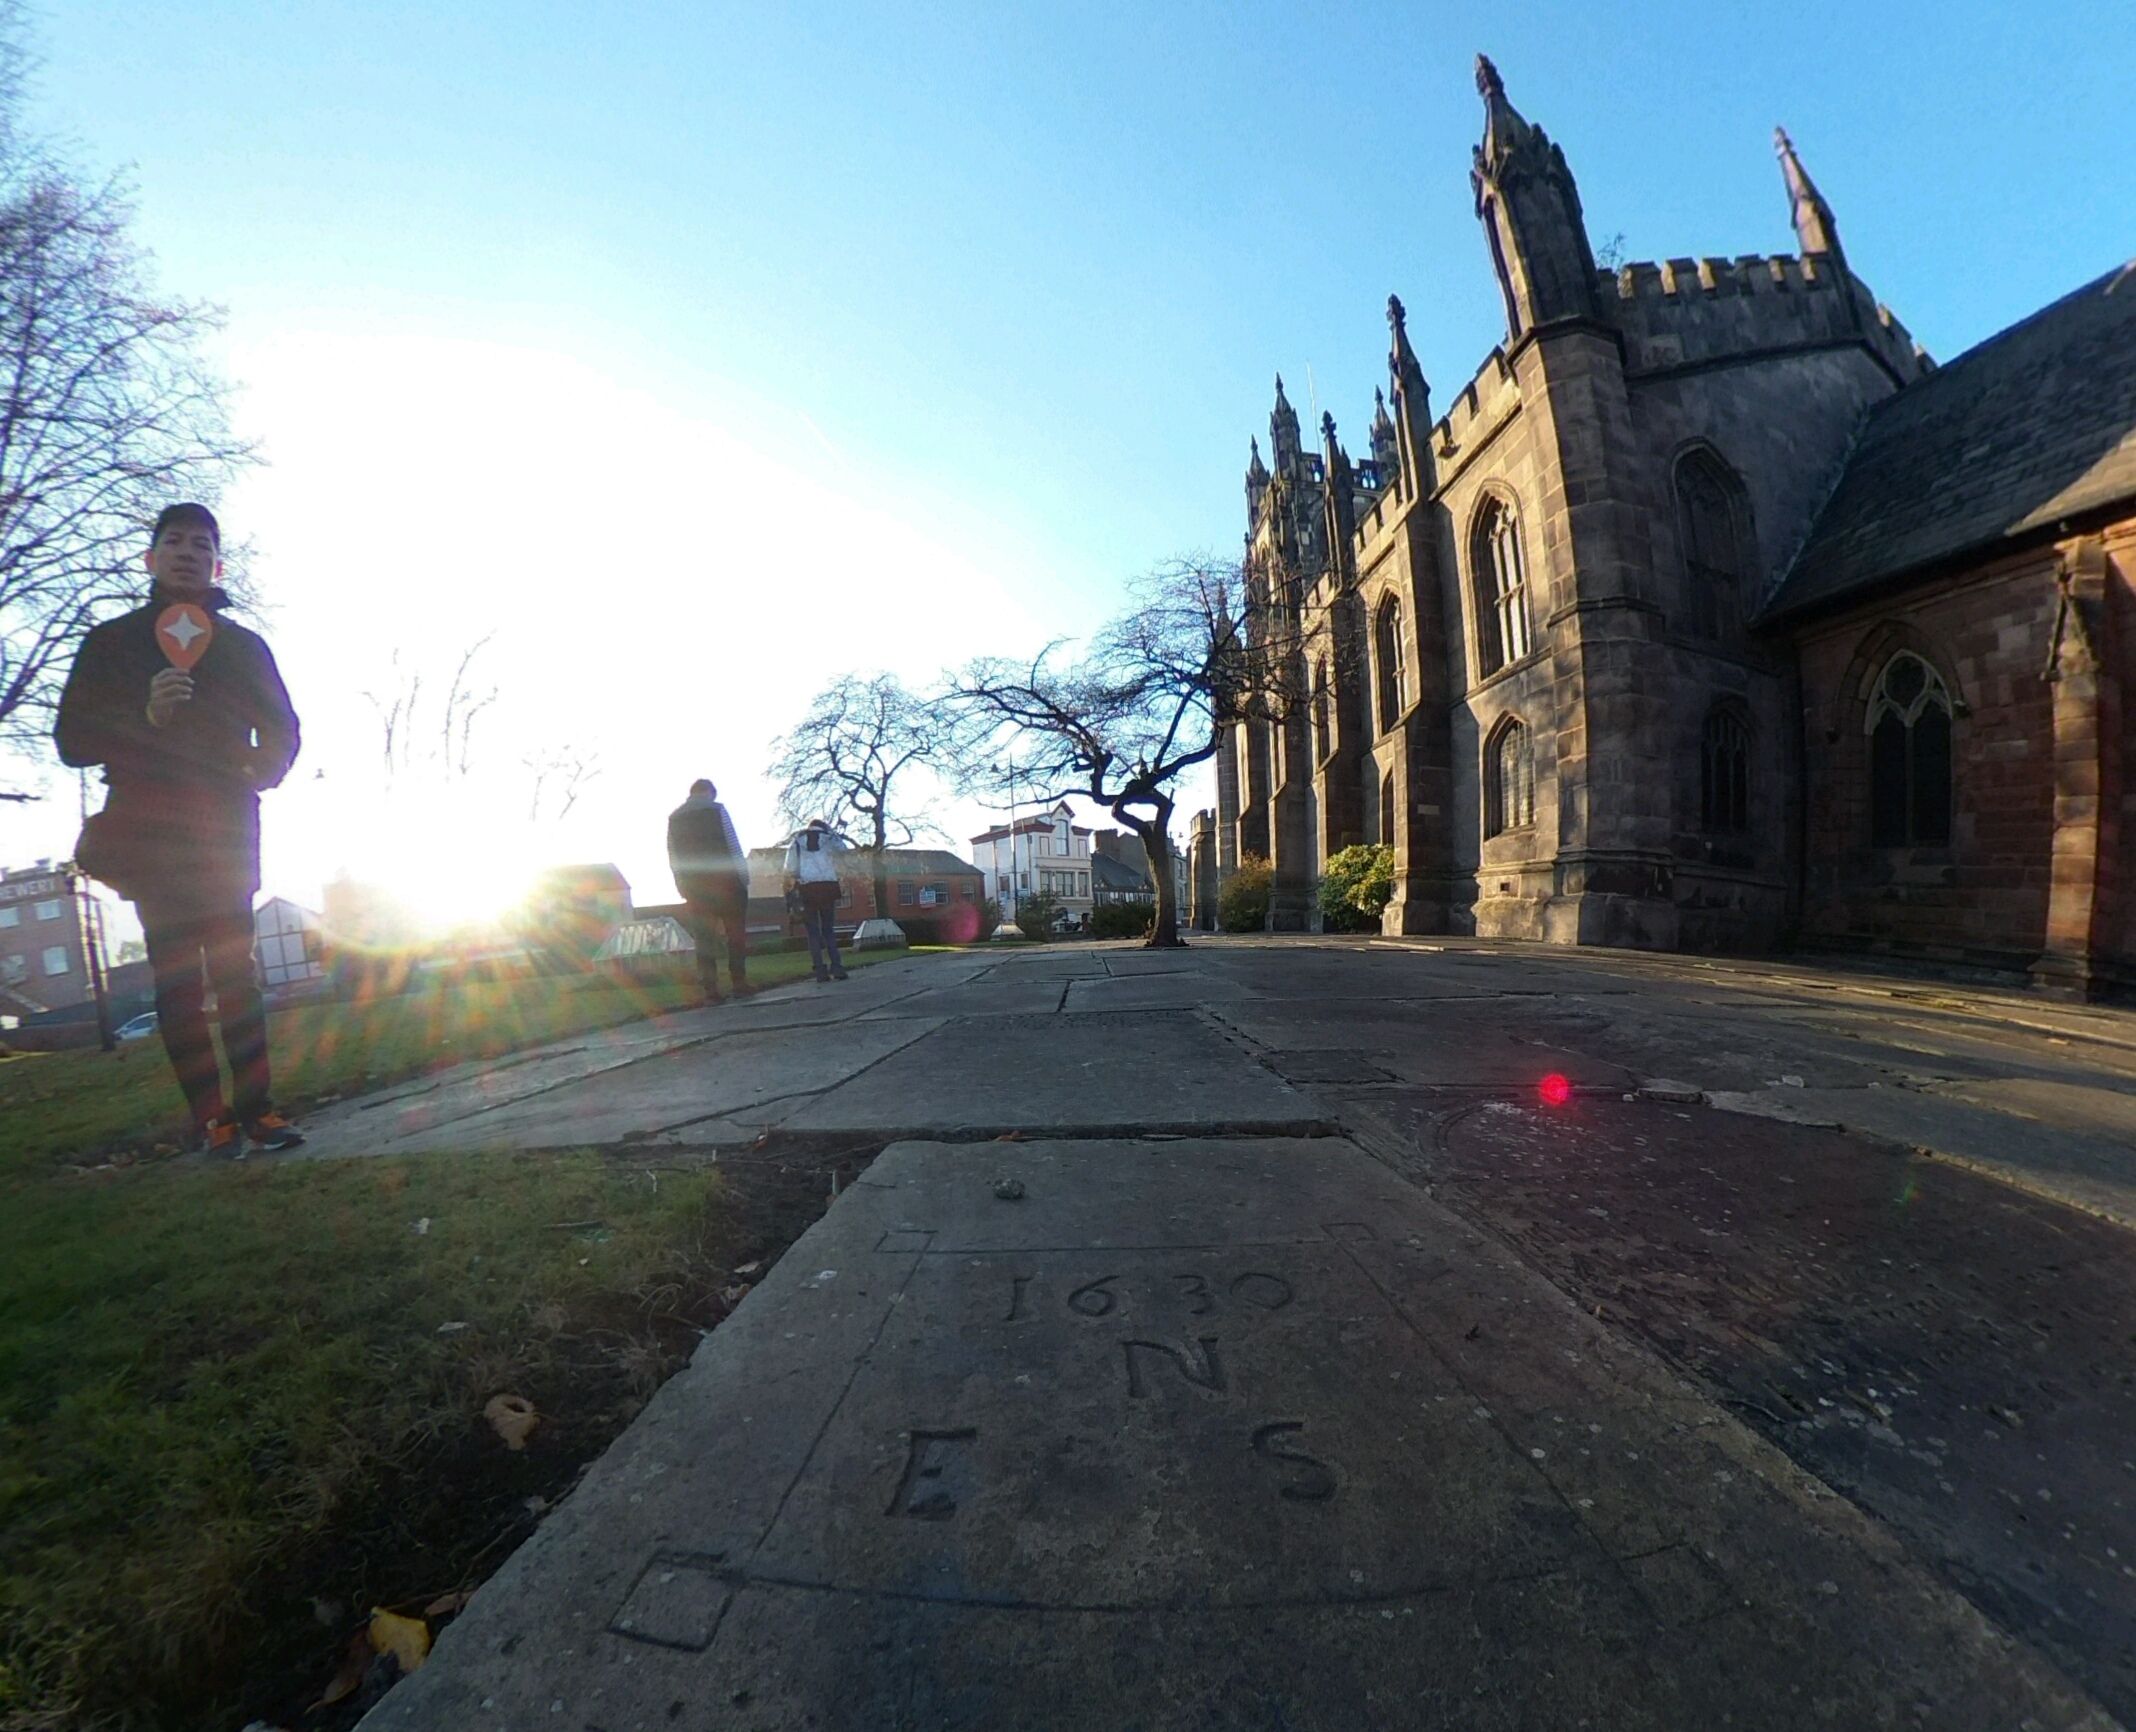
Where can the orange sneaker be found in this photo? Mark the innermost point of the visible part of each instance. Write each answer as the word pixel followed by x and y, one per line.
pixel 219 1140
pixel 272 1133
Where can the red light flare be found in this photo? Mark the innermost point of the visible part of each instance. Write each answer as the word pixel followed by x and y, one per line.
pixel 1556 1090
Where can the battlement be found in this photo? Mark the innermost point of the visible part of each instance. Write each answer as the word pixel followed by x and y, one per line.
pixel 1681 312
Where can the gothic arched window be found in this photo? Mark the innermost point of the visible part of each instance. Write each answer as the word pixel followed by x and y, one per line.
pixel 1508 778
pixel 1909 724
pixel 1387 657
pixel 1499 574
pixel 1711 517
pixel 1386 811
pixel 1724 772
pixel 1323 741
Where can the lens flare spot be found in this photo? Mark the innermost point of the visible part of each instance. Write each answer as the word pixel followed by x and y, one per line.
pixel 1555 1089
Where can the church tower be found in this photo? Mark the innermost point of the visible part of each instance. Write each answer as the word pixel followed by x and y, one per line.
pixel 1530 211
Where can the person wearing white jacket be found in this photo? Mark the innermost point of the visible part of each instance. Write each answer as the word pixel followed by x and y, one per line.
pixel 812 859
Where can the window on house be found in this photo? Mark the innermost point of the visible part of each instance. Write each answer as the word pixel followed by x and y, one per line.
pixel 1387 655
pixel 1500 577
pixel 14 970
pixel 905 893
pixel 10 916
pixel 1909 724
pixel 1386 811
pixel 1724 773
pixel 48 910
pixel 1712 517
pixel 55 959
pixel 1509 778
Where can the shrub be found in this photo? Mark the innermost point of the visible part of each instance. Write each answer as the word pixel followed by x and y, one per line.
pixel 1123 919
pixel 1356 887
pixel 1035 916
pixel 1242 905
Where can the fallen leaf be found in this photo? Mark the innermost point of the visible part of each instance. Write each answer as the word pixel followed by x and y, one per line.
pixel 450 1328
pixel 446 1604
pixel 355 1662
pixel 1010 1137
pixel 421 1227
pixel 513 1418
pixel 406 1639
pixel 749 1271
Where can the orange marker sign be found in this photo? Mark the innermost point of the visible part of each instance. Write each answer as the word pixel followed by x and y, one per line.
pixel 184 632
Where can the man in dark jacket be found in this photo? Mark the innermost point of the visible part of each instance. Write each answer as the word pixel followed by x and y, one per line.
pixel 712 872
pixel 185 754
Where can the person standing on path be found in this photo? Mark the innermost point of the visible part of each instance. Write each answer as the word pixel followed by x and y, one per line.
pixel 812 873
pixel 712 872
pixel 186 752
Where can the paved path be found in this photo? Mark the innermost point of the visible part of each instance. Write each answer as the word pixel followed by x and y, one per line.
pixel 1321 1375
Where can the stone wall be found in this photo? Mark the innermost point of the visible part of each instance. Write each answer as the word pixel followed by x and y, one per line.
pixel 2117 721
pixel 1984 898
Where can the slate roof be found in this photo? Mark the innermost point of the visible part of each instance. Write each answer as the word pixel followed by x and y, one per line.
pixel 2035 425
pixel 899 862
pixel 1106 873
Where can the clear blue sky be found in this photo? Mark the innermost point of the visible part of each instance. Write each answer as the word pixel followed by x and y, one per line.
pixel 1017 278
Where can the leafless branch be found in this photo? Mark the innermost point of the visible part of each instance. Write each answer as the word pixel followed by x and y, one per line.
pixel 108 409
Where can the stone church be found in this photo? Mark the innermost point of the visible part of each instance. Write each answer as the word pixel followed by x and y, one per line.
pixel 1710 615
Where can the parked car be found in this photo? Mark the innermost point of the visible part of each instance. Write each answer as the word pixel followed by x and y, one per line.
pixel 139 1028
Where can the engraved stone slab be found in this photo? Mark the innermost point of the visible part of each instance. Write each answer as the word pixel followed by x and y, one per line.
pixel 1193 1433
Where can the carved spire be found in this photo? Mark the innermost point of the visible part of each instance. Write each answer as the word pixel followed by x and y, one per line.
pixel 1530 210
pixel 1338 501
pixel 1283 430
pixel 1256 488
pixel 1815 227
pixel 1256 470
pixel 1386 449
pixel 1504 130
pixel 1412 467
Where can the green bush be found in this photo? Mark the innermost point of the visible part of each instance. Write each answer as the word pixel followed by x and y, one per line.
pixel 1035 916
pixel 1356 887
pixel 1123 919
pixel 1242 905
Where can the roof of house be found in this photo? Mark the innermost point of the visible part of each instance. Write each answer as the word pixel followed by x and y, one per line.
pixel 1107 873
pixel 1026 827
pixel 901 862
pixel 2034 426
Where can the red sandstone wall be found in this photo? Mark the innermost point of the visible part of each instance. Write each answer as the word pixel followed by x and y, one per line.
pixel 2117 721
pixel 1989 636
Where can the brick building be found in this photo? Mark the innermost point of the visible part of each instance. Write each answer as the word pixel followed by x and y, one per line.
pixel 47 916
pixel 930 890
pixel 1623 648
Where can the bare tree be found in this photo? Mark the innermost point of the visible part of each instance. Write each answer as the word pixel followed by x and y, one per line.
pixel 108 411
pixel 1206 645
pixel 559 775
pixel 463 703
pixel 853 756
pixel 395 708
pixel 399 708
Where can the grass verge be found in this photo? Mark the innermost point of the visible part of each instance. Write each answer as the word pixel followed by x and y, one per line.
pixel 74 1106
pixel 233 1417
